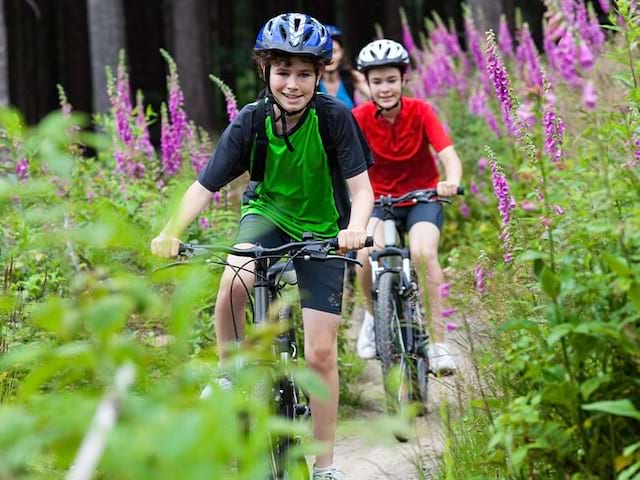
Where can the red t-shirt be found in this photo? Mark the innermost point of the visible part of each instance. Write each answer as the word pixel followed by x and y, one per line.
pixel 403 161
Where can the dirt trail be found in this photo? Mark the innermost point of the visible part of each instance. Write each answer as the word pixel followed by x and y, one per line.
pixel 366 453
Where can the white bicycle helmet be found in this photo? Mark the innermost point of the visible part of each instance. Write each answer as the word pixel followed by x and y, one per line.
pixel 383 53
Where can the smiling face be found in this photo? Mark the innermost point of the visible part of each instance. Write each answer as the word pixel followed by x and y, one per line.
pixel 293 82
pixel 386 85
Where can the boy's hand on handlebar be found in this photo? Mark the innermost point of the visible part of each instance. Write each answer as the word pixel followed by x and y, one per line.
pixel 447 189
pixel 351 239
pixel 163 246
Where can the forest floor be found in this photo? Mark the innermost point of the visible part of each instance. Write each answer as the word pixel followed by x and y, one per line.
pixel 372 456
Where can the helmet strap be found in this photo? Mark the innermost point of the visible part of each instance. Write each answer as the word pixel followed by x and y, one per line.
pixel 380 109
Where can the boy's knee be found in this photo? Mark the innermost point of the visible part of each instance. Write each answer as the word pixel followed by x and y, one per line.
pixel 321 358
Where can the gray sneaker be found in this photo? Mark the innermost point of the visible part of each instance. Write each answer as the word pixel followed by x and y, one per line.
pixel 224 383
pixel 441 360
pixel 331 474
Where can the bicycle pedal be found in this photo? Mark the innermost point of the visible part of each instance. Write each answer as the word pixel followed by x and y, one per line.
pixel 303 410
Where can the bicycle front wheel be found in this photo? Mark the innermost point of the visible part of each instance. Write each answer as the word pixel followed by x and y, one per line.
pixel 398 366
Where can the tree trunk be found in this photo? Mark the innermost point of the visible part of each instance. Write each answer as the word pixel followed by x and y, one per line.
pixel 486 14
pixel 191 48
pixel 106 39
pixel 4 64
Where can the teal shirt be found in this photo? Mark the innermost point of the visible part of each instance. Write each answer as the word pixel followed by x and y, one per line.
pixel 341 94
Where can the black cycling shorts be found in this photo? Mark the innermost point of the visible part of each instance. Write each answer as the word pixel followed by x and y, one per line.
pixel 407 217
pixel 319 282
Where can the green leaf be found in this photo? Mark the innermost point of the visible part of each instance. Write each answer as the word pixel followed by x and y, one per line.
pixel 518 324
pixel 634 295
pixel 621 408
pixel 629 449
pixel 558 332
pixel 530 255
pixel 591 385
pixel 618 265
pixel 310 382
pixel 550 283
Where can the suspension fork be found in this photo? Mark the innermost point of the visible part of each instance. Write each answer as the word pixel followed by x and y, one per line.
pixel 260 292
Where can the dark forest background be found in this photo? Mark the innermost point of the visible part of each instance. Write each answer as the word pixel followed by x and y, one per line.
pixel 69 42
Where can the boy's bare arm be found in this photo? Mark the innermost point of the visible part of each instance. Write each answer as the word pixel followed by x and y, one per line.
pixel 453 172
pixel 195 199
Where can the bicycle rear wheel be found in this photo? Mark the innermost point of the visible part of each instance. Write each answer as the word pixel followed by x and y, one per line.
pixel 399 367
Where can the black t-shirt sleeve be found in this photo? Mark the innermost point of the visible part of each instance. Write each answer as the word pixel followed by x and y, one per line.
pixel 352 151
pixel 231 158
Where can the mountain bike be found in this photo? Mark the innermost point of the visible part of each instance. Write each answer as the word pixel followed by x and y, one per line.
pixel 271 276
pixel 400 329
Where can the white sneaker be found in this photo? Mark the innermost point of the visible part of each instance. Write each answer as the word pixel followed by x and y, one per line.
pixel 224 383
pixel 441 360
pixel 367 338
pixel 330 473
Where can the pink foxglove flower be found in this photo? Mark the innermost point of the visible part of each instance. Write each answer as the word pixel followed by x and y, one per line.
pixel 585 56
pixel 464 209
pixel 444 289
pixel 451 327
pixel 483 163
pixel 528 61
pixel 480 279
pixel 448 312
pixel 506 204
pixel 229 98
pixel 498 75
pixel 22 169
pixel 505 42
pixel 407 39
pixel 589 97
pixel 528 206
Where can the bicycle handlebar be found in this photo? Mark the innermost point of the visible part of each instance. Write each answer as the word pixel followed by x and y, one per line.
pixel 417 196
pixel 311 249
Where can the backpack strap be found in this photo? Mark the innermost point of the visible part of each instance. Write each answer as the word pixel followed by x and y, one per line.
pixel 328 141
pixel 260 154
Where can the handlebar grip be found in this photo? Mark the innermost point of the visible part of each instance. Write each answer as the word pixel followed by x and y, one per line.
pixel 460 191
pixel 334 243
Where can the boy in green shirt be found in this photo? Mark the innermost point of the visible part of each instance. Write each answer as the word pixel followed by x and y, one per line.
pixel 298 191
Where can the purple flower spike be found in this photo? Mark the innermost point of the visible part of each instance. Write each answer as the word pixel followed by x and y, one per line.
pixel 498 75
pixel 22 169
pixel 504 38
pixel 604 5
pixel 204 223
pixel 451 327
pixel 444 289
pixel 506 204
pixel 483 163
pixel 480 279
pixel 559 210
pixel 465 211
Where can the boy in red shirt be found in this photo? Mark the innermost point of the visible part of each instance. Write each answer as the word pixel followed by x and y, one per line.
pixel 401 132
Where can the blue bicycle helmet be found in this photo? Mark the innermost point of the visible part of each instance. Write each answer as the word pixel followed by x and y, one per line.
pixel 296 34
pixel 334 31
